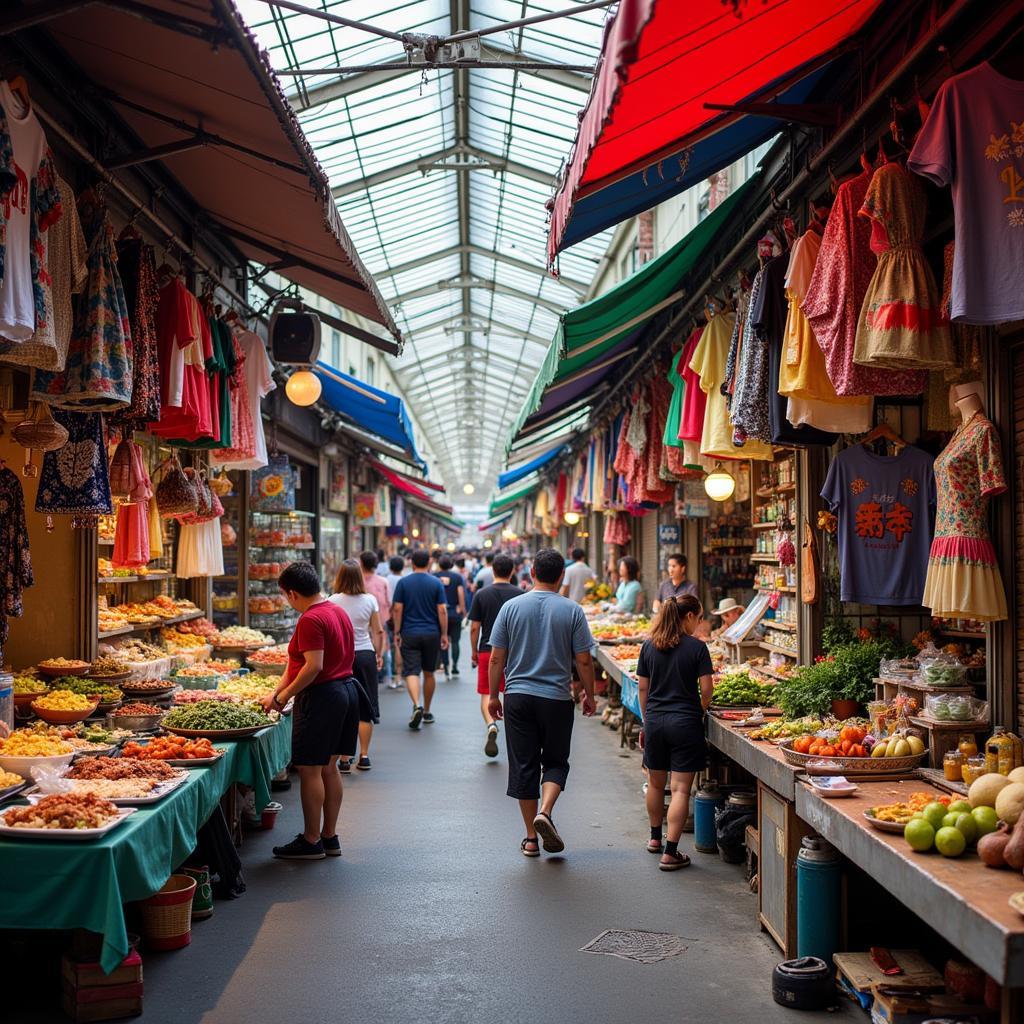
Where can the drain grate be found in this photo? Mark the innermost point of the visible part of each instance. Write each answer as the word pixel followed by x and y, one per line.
pixel 634 944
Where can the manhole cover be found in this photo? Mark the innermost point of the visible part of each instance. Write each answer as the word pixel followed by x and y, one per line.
pixel 633 944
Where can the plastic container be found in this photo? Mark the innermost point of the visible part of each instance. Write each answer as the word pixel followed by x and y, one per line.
pixel 818 878
pixel 167 915
pixel 708 799
pixel 942 670
pixel 269 816
pixel 955 707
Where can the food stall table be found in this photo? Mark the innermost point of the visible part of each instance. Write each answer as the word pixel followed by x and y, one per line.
pixel 61 884
pixel 964 901
pixel 762 759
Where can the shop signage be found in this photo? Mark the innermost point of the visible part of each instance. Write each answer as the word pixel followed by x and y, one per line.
pixel 338 486
pixel 363 508
pixel 692 501
pixel 668 535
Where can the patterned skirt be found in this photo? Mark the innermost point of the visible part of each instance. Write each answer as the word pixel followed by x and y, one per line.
pixel 964 581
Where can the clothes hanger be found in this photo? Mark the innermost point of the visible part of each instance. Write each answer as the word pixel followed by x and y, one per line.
pixel 1008 59
pixel 883 432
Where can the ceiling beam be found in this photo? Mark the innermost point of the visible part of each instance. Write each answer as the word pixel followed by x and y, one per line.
pixel 460 324
pixel 468 283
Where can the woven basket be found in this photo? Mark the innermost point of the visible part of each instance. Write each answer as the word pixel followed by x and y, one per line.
pixel 167 914
pixel 175 495
pixel 864 765
pixel 121 469
pixel 40 432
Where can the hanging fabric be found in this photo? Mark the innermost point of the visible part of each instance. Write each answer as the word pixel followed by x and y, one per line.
pixel 14 552
pixel 74 479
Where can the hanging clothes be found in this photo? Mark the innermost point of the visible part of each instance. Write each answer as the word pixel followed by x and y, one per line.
pixel 131 531
pixel 137 266
pixel 748 410
pixel 15 557
pixel 650 486
pixel 901 324
pixel 963 579
pixel 74 479
pixel 259 382
pixel 708 362
pixel 835 295
pixel 616 529
pixel 691 424
pixel 200 550
pixel 178 333
pixel 673 421
pixel 30 203
pixel 243 433
pixel 65 262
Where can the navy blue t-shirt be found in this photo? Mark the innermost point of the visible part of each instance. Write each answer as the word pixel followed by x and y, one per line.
pixel 451 580
pixel 419 594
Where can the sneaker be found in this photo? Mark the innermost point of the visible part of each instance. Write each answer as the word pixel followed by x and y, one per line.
pixel 455 671
pixel 300 849
pixel 394 686
pixel 447 676
pixel 345 767
pixel 491 746
pixel 417 717
pixel 331 845
pixel 364 764
pixel 428 719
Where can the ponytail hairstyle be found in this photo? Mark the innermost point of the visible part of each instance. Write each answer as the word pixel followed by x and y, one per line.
pixel 668 627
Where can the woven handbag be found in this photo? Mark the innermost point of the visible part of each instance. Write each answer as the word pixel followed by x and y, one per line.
pixel 175 495
pixel 40 432
pixel 121 469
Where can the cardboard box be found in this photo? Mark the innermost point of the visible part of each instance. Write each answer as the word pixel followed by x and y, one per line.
pixel 896 1005
pixel 106 1002
pixel 79 974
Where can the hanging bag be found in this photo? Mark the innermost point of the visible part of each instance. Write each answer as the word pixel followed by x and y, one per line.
pixel 810 567
pixel 175 495
pixel 121 469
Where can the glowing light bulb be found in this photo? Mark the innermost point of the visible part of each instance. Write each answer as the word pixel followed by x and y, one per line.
pixel 303 388
pixel 719 484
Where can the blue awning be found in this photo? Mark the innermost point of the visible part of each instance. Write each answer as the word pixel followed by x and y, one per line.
pixel 369 408
pixel 653 185
pixel 511 476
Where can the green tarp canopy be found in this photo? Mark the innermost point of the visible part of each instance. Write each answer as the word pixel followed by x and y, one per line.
pixel 501 502
pixel 593 338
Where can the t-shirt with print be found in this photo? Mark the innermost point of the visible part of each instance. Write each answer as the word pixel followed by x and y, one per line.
pixel 452 581
pixel 674 674
pixel 22 197
pixel 576 578
pixel 541 633
pixel 973 140
pixel 324 627
pixel 486 606
pixel 885 506
pixel 359 608
pixel 419 594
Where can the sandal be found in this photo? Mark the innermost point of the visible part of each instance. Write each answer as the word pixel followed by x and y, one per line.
pixel 673 862
pixel 548 833
pixel 526 842
pixel 654 846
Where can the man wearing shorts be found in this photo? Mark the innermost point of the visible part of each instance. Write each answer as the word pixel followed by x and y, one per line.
pixel 420 613
pixel 482 613
pixel 534 642
pixel 325 719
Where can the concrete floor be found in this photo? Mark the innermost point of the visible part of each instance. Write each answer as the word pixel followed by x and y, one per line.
pixel 432 914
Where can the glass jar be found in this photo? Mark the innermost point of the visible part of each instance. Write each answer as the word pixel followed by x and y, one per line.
pixel 973 768
pixel 999 752
pixel 952 766
pixel 967 744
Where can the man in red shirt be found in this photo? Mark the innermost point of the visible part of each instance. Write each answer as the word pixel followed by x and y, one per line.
pixel 325 719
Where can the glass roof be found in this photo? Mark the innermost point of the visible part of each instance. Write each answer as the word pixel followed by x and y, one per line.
pixel 457 251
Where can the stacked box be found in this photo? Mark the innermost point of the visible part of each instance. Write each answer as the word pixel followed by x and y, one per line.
pixel 90 995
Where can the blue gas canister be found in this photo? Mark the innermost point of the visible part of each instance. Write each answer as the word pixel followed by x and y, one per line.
pixel 818 873
pixel 705 803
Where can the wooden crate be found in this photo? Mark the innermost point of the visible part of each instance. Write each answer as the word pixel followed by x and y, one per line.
pixel 779 834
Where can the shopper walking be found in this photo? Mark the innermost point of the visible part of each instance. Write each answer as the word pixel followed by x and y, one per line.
pixel 675 682
pixel 534 642
pixel 396 570
pixel 455 597
pixel 486 575
pixel 420 615
pixel 577 575
pixel 376 584
pixel 328 706
pixel 482 613
pixel 629 597
pixel 677 585
pixel 362 608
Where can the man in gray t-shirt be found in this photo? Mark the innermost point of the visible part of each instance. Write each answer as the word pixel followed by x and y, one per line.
pixel 577 575
pixel 535 641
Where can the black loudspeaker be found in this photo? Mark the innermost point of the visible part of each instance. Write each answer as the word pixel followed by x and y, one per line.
pixel 294 334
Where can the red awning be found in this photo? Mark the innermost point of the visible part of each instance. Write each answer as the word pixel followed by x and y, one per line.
pixel 190 80
pixel 662 62
pixel 414 488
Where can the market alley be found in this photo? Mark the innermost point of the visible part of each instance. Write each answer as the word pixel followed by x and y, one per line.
pixel 433 914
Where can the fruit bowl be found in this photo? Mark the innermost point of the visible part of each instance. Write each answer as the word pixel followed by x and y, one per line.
pixel 137 723
pixel 844 765
pixel 23 765
pixel 24 699
pixel 68 668
pixel 53 717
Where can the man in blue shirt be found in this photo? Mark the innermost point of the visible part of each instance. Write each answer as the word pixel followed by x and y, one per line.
pixel 420 613
pixel 534 642
pixel 455 594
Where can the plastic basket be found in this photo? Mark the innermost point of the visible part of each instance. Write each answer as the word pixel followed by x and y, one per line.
pixel 167 914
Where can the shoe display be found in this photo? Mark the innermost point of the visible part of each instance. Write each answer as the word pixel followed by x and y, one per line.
pixel 491 745
pixel 300 849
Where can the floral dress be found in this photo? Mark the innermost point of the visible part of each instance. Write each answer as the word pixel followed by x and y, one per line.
pixel 137 265
pixel 963 578
pixel 16 574
pixel 901 324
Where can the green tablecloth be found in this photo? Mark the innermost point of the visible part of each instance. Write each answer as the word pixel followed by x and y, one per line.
pixel 67 884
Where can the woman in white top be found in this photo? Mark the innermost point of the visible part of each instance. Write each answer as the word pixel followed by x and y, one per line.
pixel 362 608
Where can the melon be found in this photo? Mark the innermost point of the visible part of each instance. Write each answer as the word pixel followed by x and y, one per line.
pixel 983 791
pixel 1010 802
pixel 1017 775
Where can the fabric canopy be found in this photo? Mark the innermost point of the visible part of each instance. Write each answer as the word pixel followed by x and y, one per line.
pixel 662 63
pixel 440 514
pixel 493 524
pixel 511 476
pixel 594 339
pixel 376 411
pixel 190 81
pixel 408 486
pixel 501 502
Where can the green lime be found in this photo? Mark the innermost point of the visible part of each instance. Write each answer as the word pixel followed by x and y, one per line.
pixel 986 820
pixel 950 842
pixel 919 834
pixel 959 807
pixel 968 827
pixel 934 814
pixel 949 821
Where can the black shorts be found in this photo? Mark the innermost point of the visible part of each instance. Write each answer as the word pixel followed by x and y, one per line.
pixel 325 722
pixel 674 742
pixel 421 652
pixel 538 732
pixel 364 668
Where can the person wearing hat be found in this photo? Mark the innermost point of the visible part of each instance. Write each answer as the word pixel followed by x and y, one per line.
pixel 729 610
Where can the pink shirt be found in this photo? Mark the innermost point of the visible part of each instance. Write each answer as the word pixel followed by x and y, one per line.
pixel 378 586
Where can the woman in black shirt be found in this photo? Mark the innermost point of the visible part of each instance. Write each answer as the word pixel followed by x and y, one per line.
pixel 674 673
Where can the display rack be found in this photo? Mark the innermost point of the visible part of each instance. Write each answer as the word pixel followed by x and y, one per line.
pixel 228 590
pixel 275 539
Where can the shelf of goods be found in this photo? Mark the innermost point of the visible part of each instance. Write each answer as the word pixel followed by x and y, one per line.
pixel 226 610
pixel 144 627
pixel 275 539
